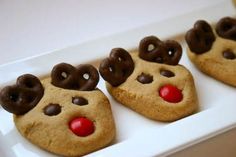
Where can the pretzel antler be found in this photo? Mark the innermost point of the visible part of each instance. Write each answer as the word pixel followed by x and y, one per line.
pixel 23 96
pixel 118 67
pixel 200 38
pixel 85 77
pixel 226 28
pixel 168 52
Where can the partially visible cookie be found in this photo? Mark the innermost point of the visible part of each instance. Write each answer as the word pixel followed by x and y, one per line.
pixel 150 81
pixel 214 51
pixel 65 113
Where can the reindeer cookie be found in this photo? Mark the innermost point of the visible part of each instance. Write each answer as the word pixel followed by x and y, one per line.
pixel 65 113
pixel 150 81
pixel 214 52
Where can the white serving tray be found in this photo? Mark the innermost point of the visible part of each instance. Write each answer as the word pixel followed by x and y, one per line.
pixel 136 135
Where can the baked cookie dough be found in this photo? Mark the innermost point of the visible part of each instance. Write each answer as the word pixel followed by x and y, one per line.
pixel 234 1
pixel 214 52
pixel 65 113
pixel 151 82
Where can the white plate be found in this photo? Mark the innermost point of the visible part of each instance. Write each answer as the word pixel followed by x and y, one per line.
pixel 136 135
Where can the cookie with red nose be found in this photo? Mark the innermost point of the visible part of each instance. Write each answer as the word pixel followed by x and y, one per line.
pixel 65 113
pixel 213 49
pixel 150 81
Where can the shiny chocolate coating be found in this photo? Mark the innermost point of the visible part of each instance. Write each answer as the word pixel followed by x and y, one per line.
pixel 145 78
pixel 154 55
pixel 90 83
pixel 226 28
pixel 52 109
pixel 228 54
pixel 200 38
pixel 79 101
pixel 67 76
pixel 23 96
pixel 167 73
pixel 117 68
pixel 168 52
pixel 174 51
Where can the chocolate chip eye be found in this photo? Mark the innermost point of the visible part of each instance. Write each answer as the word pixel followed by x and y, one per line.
pixel 79 101
pixel 167 73
pixel 145 78
pixel 52 109
pixel 228 54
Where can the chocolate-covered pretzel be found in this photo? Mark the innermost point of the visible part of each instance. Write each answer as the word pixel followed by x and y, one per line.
pixel 23 96
pixel 118 67
pixel 168 52
pixel 226 28
pixel 90 83
pixel 200 38
pixel 156 53
pixel 66 76
pixel 174 51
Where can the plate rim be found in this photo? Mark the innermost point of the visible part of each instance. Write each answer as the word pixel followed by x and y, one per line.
pixel 211 14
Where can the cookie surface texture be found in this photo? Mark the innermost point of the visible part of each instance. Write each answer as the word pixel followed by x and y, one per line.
pixel 140 91
pixel 219 61
pixel 52 132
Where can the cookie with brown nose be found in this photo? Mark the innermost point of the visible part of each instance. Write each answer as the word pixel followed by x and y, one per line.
pixel 213 49
pixel 64 114
pixel 150 81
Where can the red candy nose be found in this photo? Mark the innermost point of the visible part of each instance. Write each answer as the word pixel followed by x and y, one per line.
pixel 81 126
pixel 170 93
